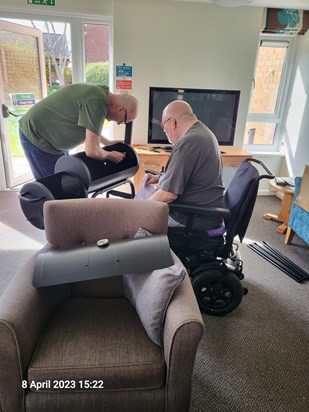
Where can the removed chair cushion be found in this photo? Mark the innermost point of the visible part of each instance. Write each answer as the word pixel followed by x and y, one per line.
pixel 151 292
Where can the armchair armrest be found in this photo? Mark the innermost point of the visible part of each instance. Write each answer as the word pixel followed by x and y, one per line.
pixel 23 313
pixel 183 329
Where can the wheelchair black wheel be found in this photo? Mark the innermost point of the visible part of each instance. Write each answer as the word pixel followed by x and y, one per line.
pixel 217 293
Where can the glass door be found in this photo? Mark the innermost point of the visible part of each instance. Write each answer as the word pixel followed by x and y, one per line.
pixel 22 84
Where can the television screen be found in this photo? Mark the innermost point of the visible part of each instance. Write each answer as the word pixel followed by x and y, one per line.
pixel 217 109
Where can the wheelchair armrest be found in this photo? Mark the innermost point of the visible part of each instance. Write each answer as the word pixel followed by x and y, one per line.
pixel 200 211
pixel 152 172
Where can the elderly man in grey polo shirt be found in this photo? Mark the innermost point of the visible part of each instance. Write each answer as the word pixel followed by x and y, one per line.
pixel 193 172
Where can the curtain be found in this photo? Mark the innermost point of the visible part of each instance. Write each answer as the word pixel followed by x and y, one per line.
pixel 285 21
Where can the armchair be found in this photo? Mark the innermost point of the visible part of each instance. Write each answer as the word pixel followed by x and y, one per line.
pixel 81 346
pixel 299 218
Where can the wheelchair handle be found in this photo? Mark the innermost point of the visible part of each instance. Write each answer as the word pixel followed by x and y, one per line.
pixel 269 175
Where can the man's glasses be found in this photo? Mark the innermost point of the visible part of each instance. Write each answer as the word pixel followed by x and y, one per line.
pixel 162 124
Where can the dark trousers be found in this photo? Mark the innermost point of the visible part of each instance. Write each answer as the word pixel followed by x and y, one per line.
pixel 42 164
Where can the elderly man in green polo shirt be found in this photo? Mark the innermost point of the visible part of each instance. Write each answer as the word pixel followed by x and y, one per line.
pixel 68 117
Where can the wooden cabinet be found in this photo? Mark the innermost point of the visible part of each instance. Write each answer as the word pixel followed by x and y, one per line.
pixel 149 160
pixel 233 156
pixel 155 160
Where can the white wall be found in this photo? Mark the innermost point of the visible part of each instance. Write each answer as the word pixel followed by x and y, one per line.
pixel 175 44
pixel 297 125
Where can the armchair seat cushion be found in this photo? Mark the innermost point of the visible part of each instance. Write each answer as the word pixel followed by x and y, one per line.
pixel 121 355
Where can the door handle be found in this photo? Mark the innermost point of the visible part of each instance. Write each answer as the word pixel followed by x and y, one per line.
pixel 5 111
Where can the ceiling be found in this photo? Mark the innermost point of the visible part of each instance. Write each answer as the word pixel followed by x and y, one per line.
pixel 285 4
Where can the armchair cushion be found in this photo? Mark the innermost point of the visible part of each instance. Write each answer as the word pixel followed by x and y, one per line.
pixel 75 346
pixel 150 293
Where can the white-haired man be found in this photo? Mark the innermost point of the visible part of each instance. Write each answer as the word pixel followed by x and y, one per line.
pixel 193 173
pixel 68 117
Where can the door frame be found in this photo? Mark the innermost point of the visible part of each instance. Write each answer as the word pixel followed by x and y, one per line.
pixel 6 150
pixel 76 21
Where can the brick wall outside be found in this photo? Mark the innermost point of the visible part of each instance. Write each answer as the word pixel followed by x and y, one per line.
pixel 267 79
pixel 19 63
pixel 96 43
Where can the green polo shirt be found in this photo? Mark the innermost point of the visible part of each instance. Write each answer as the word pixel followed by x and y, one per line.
pixel 59 122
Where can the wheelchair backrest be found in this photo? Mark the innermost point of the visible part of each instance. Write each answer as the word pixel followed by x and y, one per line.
pixel 240 198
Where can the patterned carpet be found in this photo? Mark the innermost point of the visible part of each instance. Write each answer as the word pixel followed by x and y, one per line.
pixel 255 359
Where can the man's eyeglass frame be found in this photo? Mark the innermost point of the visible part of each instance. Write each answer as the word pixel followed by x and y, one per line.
pixel 162 124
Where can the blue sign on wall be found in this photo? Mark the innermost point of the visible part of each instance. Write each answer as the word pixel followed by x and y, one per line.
pixel 124 71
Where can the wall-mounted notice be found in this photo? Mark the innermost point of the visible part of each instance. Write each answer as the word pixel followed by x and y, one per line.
pixel 124 77
pixel 22 99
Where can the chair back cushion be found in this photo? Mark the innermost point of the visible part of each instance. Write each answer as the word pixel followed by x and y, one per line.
pixel 74 222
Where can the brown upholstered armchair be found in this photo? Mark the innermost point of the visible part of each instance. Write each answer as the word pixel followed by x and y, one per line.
pixel 82 346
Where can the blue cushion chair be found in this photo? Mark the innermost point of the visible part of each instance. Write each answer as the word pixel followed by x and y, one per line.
pixel 299 218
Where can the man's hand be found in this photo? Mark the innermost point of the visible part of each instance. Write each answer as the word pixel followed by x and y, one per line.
pixel 115 157
pixel 94 150
pixel 151 179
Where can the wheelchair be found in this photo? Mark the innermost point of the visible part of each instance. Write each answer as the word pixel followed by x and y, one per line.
pixel 212 257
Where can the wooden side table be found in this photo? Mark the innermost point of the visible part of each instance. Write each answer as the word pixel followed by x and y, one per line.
pixel 286 204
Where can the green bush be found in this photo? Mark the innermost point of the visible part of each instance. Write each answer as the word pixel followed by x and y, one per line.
pixel 68 75
pixel 98 73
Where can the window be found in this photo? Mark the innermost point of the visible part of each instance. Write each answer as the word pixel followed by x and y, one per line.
pixel 76 49
pixel 97 67
pixel 269 93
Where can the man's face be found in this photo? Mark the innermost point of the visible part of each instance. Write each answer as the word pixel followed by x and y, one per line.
pixel 119 115
pixel 169 124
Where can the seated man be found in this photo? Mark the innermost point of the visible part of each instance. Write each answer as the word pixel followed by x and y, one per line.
pixel 193 172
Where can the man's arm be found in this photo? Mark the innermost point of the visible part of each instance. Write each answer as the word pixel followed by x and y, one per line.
pixel 163 196
pixel 94 150
pixel 106 141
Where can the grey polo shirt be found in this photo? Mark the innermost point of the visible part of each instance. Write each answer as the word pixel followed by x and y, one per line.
pixel 194 173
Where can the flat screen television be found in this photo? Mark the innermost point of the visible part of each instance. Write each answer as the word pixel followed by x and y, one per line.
pixel 217 109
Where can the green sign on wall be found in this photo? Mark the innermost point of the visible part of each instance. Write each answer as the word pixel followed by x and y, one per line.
pixel 43 2
pixel 22 99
